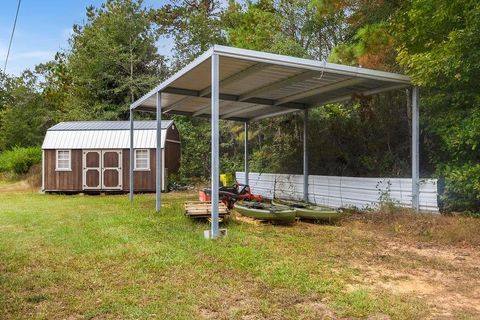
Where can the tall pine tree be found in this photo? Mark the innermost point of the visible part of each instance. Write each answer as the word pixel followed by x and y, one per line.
pixel 113 60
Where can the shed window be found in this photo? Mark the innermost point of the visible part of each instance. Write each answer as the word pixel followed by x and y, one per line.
pixel 142 159
pixel 63 160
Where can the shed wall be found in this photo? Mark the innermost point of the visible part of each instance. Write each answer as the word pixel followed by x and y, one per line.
pixel 63 180
pixel 172 133
pixel 172 157
pixel 72 180
pixel 144 181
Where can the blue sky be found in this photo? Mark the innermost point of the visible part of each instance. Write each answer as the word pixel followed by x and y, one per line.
pixel 43 28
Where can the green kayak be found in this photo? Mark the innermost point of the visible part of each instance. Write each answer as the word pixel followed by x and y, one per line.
pixel 265 211
pixel 305 210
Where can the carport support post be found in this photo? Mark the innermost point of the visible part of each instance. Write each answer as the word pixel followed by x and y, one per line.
pixel 215 143
pixel 158 154
pixel 130 172
pixel 415 149
pixel 246 153
pixel 305 155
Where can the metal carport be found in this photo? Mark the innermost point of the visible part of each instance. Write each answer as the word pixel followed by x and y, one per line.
pixel 244 85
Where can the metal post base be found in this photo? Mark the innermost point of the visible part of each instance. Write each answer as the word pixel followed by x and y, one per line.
pixel 222 233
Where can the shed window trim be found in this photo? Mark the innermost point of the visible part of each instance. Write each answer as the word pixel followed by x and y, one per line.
pixel 63 160
pixel 142 160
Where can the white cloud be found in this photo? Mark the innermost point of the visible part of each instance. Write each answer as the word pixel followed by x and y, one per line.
pixel 27 56
pixel 19 61
pixel 35 54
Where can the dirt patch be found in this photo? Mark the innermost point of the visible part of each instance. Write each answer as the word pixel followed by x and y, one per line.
pixel 447 278
pixel 411 285
pixel 205 313
pixel 315 309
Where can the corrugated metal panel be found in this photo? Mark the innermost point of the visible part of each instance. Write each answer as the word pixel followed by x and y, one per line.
pixel 100 139
pixel 344 191
pixel 279 76
pixel 108 125
pixel 264 78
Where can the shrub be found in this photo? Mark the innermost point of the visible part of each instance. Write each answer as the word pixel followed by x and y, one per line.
pixel 19 160
pixel 461 188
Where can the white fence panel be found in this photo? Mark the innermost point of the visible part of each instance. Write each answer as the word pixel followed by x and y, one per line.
pixel 343 191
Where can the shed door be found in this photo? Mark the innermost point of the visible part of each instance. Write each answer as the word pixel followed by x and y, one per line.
pixel 91 170
pixel 112 169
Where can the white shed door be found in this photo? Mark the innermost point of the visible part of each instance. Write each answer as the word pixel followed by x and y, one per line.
pixel 92 163
pixel 112 169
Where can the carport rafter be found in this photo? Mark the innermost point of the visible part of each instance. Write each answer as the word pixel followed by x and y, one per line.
pixel 205 115
pixel 235 77
pixel 319 90
pixel 276 85
pixel 229 97
pixel 206 108
pixel 230 114
pixel 201 111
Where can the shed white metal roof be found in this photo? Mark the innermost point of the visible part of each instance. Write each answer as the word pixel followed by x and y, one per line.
pixel 103 135
pixel 256 85
pixel 108 125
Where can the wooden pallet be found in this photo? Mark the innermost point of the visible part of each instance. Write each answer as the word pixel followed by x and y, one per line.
pixel 203 209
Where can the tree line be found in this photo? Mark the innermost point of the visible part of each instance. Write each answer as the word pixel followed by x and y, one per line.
pixel 112 59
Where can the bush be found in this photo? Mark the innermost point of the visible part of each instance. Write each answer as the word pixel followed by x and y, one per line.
pixel 19 160
pixel 462 188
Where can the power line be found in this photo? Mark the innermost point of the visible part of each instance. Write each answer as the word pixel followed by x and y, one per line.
pixel 11 37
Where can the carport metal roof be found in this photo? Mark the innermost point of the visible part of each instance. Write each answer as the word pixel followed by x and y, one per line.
pixel 256 85
pixel 245 85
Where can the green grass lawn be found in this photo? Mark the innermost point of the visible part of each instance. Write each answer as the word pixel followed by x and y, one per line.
pixel 97 257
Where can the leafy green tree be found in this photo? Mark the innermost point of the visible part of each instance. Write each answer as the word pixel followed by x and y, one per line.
pixel 112 60
pixel 24 116
pixel 194 25
pixel 195 137
pixel 438 45
pixel 370 136
pixel 371 47
pixel 368 40
pixel 255 27
pixel 366 137
pixel 55 88
pixel 7 84
pixel 302 28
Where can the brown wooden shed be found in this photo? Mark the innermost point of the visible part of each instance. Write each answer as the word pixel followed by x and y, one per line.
pixel 93 156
